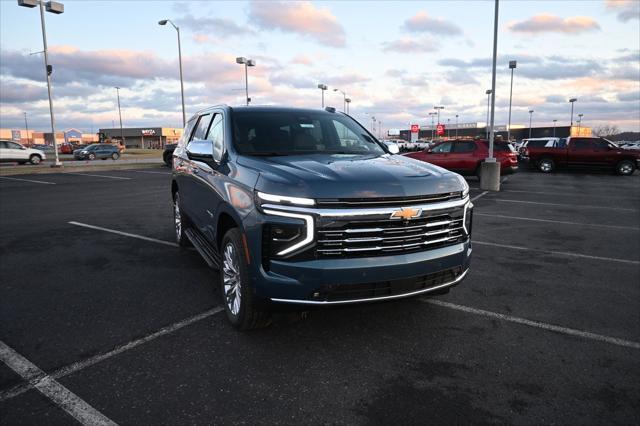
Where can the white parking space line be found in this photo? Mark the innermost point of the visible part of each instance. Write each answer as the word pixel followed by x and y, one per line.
pixel 61 396
pixel 536 324
pixel 28 180
pixel 125 234
pixel 575 206
pixel 558 253
pixel 561 222
pixel 81 365
pixel 480 195
pixel 147 171
pixel 100 176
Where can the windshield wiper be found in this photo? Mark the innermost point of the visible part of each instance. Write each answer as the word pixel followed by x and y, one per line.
pixel 267 154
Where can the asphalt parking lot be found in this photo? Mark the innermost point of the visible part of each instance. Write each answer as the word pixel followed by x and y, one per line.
pixel 108 320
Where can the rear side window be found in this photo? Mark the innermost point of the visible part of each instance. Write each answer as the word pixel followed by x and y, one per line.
pixel 202 127
pixel 536 144
pixel 3 144
pixel 501 147
pixel 581 144
pixel 464 146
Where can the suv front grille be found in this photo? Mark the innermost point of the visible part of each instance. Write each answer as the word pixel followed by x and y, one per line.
pixel 387 201
pixel 387 237
pixel 332 293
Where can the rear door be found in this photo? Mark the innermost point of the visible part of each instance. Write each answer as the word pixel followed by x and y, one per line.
pixel 581 152
pixel 4 151
pixel 16 152
pixel 464 157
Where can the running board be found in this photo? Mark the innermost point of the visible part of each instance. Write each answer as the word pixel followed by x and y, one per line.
pixel 206 250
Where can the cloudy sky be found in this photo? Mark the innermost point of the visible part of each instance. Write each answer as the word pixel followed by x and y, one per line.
pixel 396 60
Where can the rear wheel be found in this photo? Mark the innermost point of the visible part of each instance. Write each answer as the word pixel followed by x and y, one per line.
pixel 35 159
pixel 237 297
pixel 625 168
pixel 546 165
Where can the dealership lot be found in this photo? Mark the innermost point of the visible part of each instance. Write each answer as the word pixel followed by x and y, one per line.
pixel 128 327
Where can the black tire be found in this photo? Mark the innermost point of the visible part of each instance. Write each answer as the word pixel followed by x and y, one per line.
pixel 625 168
pixel 243 314
pixel 179 222
pixel 167 160
pixel 35 159
pixel 115 156
pixel 92 156
pixel 546 165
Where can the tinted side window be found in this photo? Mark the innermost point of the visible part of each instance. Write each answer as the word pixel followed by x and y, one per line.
pixel 13 145
pixel 186 134
pixel 202 127
pixel 536 144
pixel 581 144
pixel 3 144
pixel 443 147
pixel 216 136
pixel 600 144
pixel 464 147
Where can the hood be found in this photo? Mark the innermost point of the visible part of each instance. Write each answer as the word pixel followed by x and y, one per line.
pixel 349 176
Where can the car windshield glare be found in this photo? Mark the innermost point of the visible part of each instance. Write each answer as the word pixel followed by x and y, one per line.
pixel 300 132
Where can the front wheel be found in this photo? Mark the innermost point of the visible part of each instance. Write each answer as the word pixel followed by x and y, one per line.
pixel 625 168
pixel 237 297
pixel 546 165
pixel 115 156
pixel 92 156
pixel 35 159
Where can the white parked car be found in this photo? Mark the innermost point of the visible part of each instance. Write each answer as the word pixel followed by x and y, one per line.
pixel 630 145
pixel 14 152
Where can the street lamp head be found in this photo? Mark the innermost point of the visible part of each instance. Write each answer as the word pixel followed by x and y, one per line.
pixel 162 22
pixel 573 99
pixel 322 86
pixel 512 64
pixel 28 3
pixel 488 92
pixel 241 60
pixel 348 100
pixel 555 121
pixel 54 7
pixel 251 63
pixel 530 111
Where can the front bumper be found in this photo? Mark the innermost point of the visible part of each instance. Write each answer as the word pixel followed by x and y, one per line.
pixel 316 281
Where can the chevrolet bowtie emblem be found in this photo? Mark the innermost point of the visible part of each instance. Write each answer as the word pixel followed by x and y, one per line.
pixel 406 213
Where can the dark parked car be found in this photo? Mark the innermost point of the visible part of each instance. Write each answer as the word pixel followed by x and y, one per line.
pixel 98 150
pixel 585 153
pixel 167 154
pixel 465 156
pixel 305 207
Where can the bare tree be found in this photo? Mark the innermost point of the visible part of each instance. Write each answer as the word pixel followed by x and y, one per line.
pixel 606 130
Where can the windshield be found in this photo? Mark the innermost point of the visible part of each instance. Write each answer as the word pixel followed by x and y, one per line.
pixel 295 132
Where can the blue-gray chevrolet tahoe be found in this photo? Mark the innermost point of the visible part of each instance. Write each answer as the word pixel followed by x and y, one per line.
pixel 307 207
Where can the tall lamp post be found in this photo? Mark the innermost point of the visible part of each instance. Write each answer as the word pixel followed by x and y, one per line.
pixel 120 114
pixel 57 8
pixel 512 66
pixel 247 63
pixel 448 130
pixel 456 126
pixel 488 93
pixel 579 122
pixel 432 114
pixel 554 128
pixel 164 22
pixel 530 116
pixel 322 87
pixel 344 99
pixel 572 100
pixel 348 101
pixel 26 126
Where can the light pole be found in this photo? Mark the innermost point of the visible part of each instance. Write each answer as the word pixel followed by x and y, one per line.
pixel 448 130
pixel 579 122
pixel 488 93
pixel 57 8
pixel 438 108
pixel 344 102
pixel 26 126
pixel 247 63
pixel 530 116
pixel 554 128
pixel 432 114
pixel 456 126
pixel 120 114
pixel 572 100
pixel 373 125
pixel 164 22
pixel 322 87
pixel 348 101
pixel 512 66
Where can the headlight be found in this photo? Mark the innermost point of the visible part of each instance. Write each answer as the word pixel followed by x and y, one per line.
pixel 468 218
pixel 465 186
pixel 83 152
pixel 283 199
pixel 284 239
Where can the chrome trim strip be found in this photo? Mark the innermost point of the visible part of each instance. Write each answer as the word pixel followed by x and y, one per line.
pixel 372 299
pixel 378 248
pixel 397 237
pixel 379 211
pixel 363 203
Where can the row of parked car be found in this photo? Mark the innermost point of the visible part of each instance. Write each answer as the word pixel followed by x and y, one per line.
pixel 13 152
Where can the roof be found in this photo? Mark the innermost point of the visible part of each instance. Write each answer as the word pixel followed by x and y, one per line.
pixel 268 108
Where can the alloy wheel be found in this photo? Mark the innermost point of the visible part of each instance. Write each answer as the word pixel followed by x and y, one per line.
pixel 177 219
pixel 231 279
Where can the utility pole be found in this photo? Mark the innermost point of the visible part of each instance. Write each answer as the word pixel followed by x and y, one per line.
pixel 26 126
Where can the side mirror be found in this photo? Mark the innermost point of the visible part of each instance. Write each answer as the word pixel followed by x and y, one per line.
pixel 200 150
pixel 428 150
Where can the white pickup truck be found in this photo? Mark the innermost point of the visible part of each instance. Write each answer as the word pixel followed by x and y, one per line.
pixel 14 152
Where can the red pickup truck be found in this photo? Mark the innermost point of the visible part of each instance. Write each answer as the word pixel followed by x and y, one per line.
pixel 465 156
pixel 585 153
